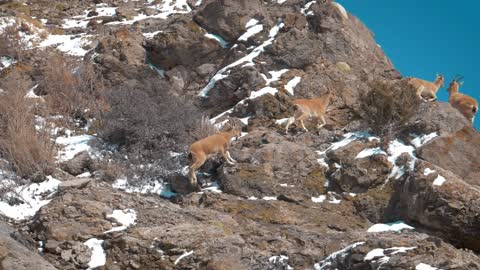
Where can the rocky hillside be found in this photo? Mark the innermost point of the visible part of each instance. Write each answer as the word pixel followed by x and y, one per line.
pixel 100 99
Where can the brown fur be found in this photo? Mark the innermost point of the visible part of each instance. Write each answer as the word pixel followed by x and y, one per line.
pixel 426 90
pixel 210 146
pixel 466 105
pixel 310 108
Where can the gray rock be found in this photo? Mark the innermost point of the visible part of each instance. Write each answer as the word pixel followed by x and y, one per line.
pixel 80 163
pixel 74 183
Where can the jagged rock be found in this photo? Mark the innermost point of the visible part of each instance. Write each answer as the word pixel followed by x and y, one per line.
pixel 176 45
pixel 126 12
pixel 181 185
pixel 15 256
pixel 74 183
pixel 275 168
pixel 228 18
pixel 72 216
pixel 80 163
pixel 457 152
pixel 440 202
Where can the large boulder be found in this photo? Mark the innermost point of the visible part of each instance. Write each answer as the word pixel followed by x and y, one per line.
pixel 14 255
pixel 178 43
pixel 269 165
pixel 228 18
pixel 440 202
pixel 457 152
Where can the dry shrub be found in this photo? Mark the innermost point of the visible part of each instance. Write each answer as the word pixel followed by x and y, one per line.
pixel 11 43
pixel 30 153
pixel 73 91
pixel 387 107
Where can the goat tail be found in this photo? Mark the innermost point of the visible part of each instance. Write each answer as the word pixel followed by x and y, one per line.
pixel 190 157
pixel 474 109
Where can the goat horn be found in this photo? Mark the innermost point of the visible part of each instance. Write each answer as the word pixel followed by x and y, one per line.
pixel 458 78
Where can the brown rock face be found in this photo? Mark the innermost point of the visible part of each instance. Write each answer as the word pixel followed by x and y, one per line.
pixel 457 152
pixel 441 202
pixel 270 169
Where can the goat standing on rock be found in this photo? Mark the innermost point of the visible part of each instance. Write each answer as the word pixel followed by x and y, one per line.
pixel 466 105
pixel 210 146
pixel 310 108
pixel 427 91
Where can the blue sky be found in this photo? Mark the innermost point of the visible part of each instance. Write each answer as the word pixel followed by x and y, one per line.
pixel 423 37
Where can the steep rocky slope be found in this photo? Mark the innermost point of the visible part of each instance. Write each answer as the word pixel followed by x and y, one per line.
pixel 351 195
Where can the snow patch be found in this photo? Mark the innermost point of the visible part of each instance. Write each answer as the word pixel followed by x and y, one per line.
pixel 73 145
pixel 370 152
pixel 69 44
pixel 125 217
pixel 276 75
pixel 152 187
pixel 395 149
pixel 428 171
pixel 282 121
pixel 185 254
pixel 389 227
pixel 292 84
pixel 32 196
pixel 224 72
pixel 223 42
pixel 31 94
pixel 319 199
pixel 423 139
pixel 282 260
pixel 439 180
pixel 327 262
pixel 269 198
pixel 99 258
pixel 252 31
pixel 378 254
pixel 151 34
pixel 263 91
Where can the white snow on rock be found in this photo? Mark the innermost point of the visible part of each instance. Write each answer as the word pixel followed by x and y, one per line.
pixel 150 187
pixel 307 6
pixel 166 8
pixel 125 217
pixel 6 62
pixel 282 259
pixel 218 38
pixel 251 31
pixel 31 94
pixel 269 198
pixel 263 91
pixel 370 152
pixel 72 146
pixel 185 254
pixel 212 187
pixel 68 44
pixel 276 75
pixel 327 262
pixel 423 139
pixel 99 258
pixel 423 266
pixel 395 149
pixel 150 35
pixel 223 73
pixel 319 199
pixel 439 180
pixel 378 254
pixel 428 171
pixel 348 138
pixel 34 196
pixel 389 227
pixel 290 86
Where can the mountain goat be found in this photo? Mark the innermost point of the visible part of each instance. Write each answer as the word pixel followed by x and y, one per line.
pixel 310 108
pixel 466 105
pixel 427 91
pixel 210 146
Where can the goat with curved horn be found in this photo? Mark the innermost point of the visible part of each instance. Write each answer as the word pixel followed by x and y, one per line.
pixel 427 91
pixel 466 105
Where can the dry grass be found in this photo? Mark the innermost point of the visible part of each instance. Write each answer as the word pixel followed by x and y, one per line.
pixel 73 91
pixel 203 128
pixel 11 43
pixel 30 153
